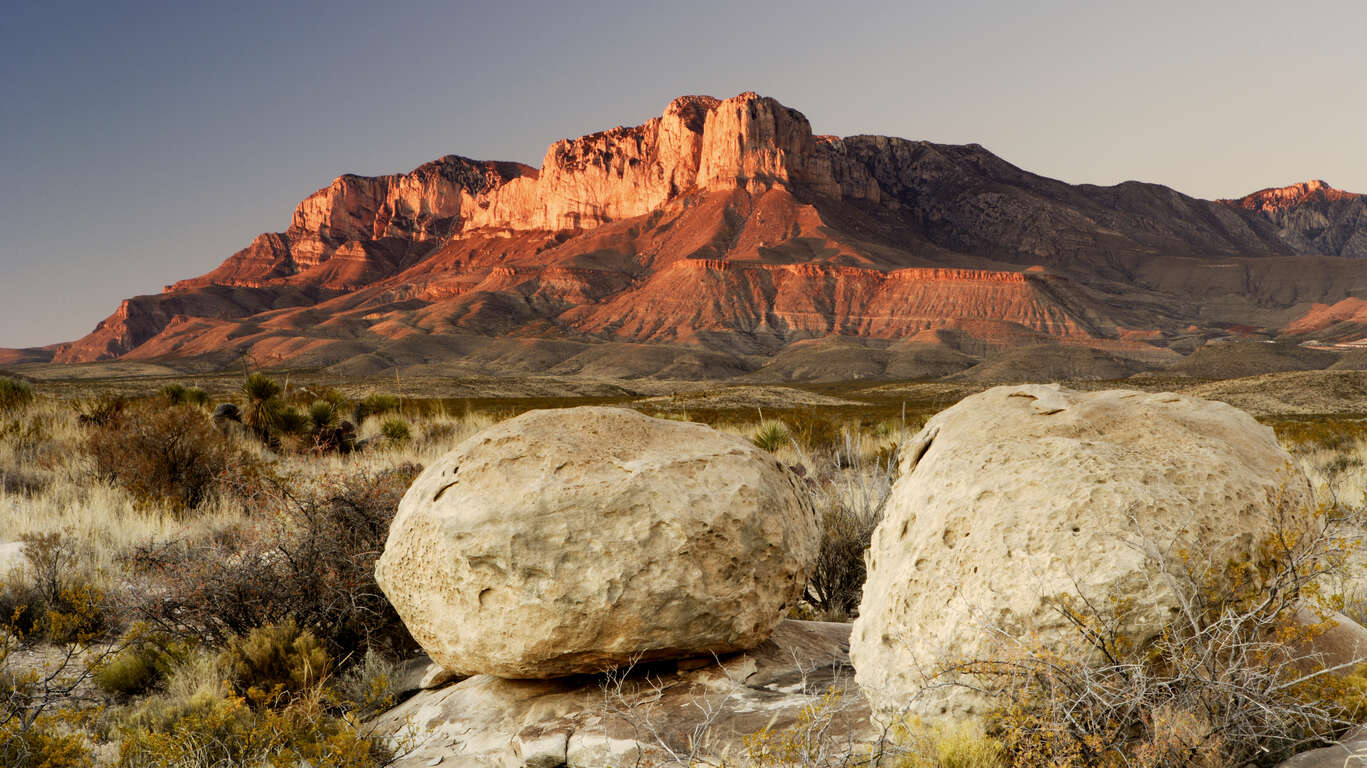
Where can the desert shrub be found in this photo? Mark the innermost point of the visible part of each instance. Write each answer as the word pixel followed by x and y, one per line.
pixel 849 498
pixel 25 438
pixel 212 730
pixel 22 481
pixel 143 661
pixel 49 741
pixel 314 564
pixel 814 429
pixel 396 431
pixel 275 661
pixel 170 456
pixel 439 433
pixel 1333 434
pixel 771 436
pixel 52 597
pixel 101 411
pixel 371 686
pixel 1229 682
pixel 14 394
pixel 807 742
pixel 962 744
pixel 375 404
pixel 35 730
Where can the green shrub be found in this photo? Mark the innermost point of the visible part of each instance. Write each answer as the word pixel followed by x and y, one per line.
pixel 276 661
pixel 396 431
pixel 375 405
pixel 263 406
pixel 52 597
pixel 290 420
pixel 143 663
pixel 215 731
pixel 14 394
pixel 47 741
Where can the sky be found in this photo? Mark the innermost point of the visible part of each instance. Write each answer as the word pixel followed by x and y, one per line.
pixel 142 143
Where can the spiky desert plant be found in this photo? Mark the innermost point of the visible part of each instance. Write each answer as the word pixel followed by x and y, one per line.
pixel 323 415
pixel 197 397
pixel 396 430
pixel 174 393
pixel 771 435
pixel 263 405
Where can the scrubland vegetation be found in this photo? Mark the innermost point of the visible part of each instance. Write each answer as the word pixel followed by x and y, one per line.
pixel 188 581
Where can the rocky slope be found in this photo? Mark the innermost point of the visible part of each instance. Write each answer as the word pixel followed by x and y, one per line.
pixel 728 229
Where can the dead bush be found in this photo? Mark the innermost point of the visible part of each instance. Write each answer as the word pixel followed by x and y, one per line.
pixel 849 496
pixel 1230 682
pixel 310 560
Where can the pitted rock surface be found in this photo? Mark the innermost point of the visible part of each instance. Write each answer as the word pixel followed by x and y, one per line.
pixel 1018 495
pixel 569 541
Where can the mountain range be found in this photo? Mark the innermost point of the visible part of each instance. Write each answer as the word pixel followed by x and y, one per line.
pixel 724 238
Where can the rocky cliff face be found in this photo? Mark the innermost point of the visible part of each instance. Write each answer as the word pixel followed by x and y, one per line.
pixel 729 225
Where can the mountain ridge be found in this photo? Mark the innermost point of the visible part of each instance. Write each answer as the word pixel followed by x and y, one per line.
pixel 728 226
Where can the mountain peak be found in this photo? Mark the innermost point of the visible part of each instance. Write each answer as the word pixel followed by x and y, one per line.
pixel 1281 198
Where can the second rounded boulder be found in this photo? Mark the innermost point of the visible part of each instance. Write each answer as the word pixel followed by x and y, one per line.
pixel 568 541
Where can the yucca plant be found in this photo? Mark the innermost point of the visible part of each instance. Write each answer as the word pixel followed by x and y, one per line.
pixel 771 436
pixel 197 397
pixel 174 393
pixel 263 406
pixel 323 415
pixel 396 431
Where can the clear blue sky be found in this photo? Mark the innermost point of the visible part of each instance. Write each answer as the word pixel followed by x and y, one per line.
pixel 145 142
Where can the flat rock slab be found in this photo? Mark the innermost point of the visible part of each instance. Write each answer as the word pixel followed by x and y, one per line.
pixel 1350 752
pixel 637 717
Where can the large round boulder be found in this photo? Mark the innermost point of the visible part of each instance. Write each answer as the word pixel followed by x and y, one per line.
pixel 1019 495
pixel 568 541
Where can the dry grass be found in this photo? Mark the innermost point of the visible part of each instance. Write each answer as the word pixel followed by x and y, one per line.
pixel 846 452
